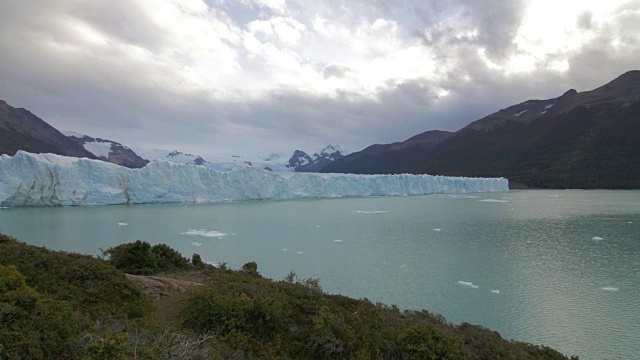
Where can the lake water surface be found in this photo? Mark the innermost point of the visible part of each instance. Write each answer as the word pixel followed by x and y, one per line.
pixel 561 268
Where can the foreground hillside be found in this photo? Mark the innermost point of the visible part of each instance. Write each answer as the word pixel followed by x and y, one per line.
pixel 63 305
pixel 585 140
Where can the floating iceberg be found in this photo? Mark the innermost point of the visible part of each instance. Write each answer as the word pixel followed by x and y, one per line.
pixel 52 180
pixel 468 283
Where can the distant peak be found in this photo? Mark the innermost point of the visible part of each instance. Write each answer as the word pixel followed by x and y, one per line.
pixel 630 73
pixel 633 75
pixel 570 92
pixel 330 149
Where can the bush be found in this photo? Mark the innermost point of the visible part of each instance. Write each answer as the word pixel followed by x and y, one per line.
pixel 197 262
pixel 422 342
pixel 250 268
pixel 33 326
pixel 140 258
pixel 89 285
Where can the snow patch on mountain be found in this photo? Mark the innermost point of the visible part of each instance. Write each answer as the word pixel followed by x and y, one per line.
pixel 98 148
pixel 54 180
pixel 219 162
pixel 107 150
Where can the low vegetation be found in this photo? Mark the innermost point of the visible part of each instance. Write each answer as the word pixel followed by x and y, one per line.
pixel 70 306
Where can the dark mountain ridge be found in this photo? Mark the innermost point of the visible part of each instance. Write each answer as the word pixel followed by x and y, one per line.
pixel 589 139
pixel 21 130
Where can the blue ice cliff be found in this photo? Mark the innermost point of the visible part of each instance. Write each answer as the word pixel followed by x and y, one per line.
pixel 51 180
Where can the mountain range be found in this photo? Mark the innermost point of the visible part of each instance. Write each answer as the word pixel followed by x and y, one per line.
pixel 583 140
pixel 22 130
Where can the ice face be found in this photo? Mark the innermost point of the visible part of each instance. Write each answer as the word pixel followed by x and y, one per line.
pixel 52 180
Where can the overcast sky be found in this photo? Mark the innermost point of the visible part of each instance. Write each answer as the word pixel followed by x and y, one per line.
pixel 262 76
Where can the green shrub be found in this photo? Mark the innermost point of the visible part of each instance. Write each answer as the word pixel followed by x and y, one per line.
pixel 89 285
pixel 422 342
pixel 250 268
pixel 33 326
pixel 196 261
pixel 168 259
pixel 140 258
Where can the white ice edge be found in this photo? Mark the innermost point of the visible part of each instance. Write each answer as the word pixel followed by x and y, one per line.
pixel 52 180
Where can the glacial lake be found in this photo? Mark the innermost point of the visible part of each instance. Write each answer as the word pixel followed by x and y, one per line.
pixel 559 268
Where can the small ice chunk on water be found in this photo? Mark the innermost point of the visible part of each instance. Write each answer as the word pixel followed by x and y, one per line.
pixel 596 238
pixel 495 291
pixel 205 233
pixel 468 283
pixel 610 288
pixel 629 222
pixel 285 249
pixel 371 212
pixel 300 252
pixel 122 224
pixel 494 200
pixel 337 240
pixel 317 226
pixel 437 229
pixel 403 266
pixel 196 244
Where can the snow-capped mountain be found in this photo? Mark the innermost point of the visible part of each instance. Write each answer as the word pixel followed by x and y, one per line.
pixel 108 150
pixel 299 159
pixel 180 157
pixel 302 162
pixel 220 162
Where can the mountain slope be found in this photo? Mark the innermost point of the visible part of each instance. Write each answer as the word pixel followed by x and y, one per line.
pixel 578 140
pixel 383 159
pixel 21 130
pixel 108 150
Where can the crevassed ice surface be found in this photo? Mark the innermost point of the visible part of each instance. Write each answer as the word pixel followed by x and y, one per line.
pixel 52 180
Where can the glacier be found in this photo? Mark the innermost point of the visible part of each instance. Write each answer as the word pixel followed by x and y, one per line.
pixel 52 180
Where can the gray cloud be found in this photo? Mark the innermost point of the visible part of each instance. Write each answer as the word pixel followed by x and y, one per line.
pixel 335 70
pixel 129 78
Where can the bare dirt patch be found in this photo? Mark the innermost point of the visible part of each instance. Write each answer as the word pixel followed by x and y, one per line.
pixel 167 293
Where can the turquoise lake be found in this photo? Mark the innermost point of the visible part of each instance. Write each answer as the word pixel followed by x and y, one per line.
pixel 559 268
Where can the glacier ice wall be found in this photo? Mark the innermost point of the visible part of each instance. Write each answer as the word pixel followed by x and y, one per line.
pixel 51 180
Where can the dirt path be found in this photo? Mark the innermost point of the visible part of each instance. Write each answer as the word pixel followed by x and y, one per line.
pixel 167 294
